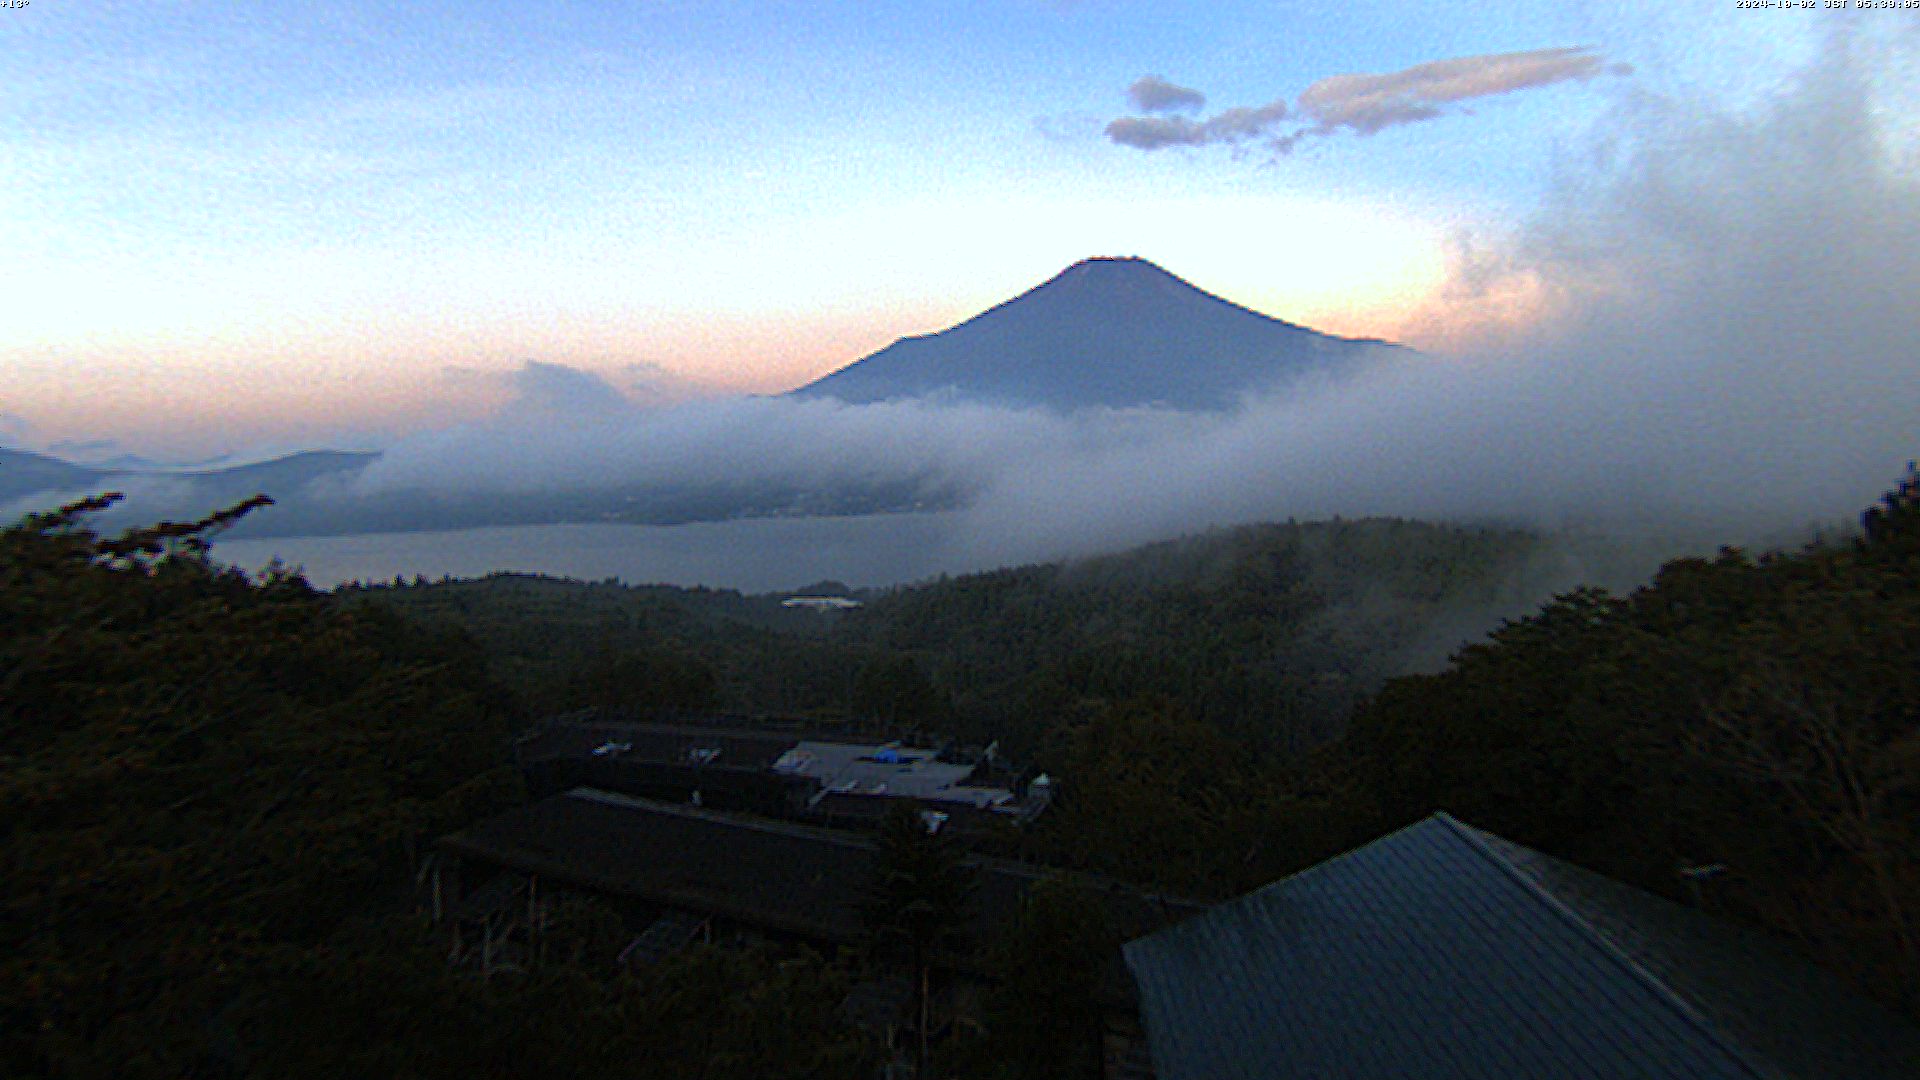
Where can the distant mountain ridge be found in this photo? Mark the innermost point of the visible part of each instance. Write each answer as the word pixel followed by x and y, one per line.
pixel 36 481
pixel 25 472
pixel 1104 332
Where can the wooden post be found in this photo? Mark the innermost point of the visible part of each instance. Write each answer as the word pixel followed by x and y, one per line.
pixel 536 941
pixel 486 947
pixel 922 1070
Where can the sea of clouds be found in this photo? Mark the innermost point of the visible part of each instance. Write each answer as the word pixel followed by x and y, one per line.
pixel 1705 334
pixel 1716 336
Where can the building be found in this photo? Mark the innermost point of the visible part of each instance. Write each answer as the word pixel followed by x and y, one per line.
pixel 1444 951
pixel 821 603
pixel 681 871
pixel 779 772
pixel 729 767
pixel 780 878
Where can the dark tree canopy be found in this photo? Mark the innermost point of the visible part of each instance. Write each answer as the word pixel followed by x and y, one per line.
pixel 217 788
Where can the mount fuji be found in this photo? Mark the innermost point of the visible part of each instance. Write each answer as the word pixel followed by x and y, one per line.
pixel 1107 332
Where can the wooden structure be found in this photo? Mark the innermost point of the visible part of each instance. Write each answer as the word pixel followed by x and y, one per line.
pixel 496 927
pixel 680 867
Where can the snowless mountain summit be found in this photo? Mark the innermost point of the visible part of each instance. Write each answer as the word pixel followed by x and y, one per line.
pixel 1104 332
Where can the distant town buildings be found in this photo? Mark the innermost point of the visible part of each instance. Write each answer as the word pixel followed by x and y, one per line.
pixel 821 603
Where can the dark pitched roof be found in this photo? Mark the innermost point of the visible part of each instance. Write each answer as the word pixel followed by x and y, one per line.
pixel 774 875
pixel 1439 951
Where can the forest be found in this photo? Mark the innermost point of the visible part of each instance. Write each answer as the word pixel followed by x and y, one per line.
pixel 1270 632
pixel 217 786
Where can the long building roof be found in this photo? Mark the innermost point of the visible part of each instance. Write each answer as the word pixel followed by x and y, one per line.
pixel 775 875
pixel 713 745
pixel 1441 951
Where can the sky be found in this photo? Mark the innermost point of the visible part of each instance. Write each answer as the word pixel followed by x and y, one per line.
pixel 238 227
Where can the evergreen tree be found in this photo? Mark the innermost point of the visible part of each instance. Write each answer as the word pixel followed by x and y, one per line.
pixel 917 904
pixel 1045 1019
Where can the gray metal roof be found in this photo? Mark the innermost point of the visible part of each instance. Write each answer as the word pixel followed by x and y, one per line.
pixel 1796 1019
pixel 1439 952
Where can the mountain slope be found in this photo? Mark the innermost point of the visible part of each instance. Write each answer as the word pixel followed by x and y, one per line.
pixel 23 472
pixel 283 475
pixel 1112 332
pixel 25 475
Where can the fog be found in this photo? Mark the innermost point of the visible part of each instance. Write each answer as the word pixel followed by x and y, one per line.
pixel 753 555
pixel 1705 334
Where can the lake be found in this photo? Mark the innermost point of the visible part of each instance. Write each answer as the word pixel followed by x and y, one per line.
pixel 760 555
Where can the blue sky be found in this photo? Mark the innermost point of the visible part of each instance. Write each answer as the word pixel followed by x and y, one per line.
pixel 331 222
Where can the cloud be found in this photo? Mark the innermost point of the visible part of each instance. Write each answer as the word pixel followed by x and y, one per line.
pixel 558 390
pixel 1230 126
pixel 542 391
pixel 1368 103
pixel 1703 369
pixel 1362 104
pixel 13 428
pixel 803 445
pixel 1153 94
pixel 655 385
pixel 1739 368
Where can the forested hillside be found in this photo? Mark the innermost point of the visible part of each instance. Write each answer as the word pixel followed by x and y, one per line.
pixel 1761 715
pixel 1222 709
pixel 1270 633
pixel 215 788
pixel 1754 722
pixel 215 792
pixel 203 779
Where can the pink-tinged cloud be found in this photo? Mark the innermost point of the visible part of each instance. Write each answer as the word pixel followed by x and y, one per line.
pixel 1368 103
pixel 1362 104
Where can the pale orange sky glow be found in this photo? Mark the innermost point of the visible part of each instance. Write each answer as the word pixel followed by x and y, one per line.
pixel 376 379
pixel 331 367
pixel 1464 316
pixel 222 232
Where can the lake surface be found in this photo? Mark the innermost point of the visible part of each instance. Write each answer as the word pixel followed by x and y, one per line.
pixel 762 555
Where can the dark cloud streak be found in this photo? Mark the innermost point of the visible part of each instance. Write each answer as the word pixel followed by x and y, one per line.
pixel 1154 94
pixel 1230 126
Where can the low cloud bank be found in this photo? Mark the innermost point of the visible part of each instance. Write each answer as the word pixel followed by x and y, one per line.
pixel 1723 346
